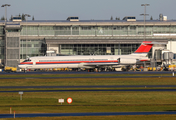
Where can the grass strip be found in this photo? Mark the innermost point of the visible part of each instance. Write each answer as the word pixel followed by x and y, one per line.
pixel 76 75
pixel 88 102
pixel 87 81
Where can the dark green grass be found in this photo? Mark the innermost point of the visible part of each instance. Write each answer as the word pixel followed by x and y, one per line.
pixel 87 81
pixel 88 102
pixel 77 75
pixel 47 102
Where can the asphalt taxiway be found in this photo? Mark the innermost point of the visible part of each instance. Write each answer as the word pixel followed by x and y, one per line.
pixel 96 90
pixel 93 86
pixel 85 114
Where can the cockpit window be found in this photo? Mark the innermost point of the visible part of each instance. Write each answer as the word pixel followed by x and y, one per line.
pixel 27 60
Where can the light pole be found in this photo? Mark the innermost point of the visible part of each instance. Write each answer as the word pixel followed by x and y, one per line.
pixel 144 17
pixel 26 16
pixel 5 5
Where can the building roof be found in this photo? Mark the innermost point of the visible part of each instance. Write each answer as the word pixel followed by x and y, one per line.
pixel 93 22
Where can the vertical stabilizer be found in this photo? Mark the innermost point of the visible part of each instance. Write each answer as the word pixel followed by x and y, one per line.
pixel 144 47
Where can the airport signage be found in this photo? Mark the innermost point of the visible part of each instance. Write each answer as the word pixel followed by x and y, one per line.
pixel 20 92
pixel 69 100
pixel 61 100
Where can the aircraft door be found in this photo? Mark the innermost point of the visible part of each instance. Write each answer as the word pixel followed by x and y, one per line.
pixel 118 60
pixel 34 62
pixel 112 59
pixel 91 60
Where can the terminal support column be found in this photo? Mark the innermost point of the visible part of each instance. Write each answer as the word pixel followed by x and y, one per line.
pixel 59 50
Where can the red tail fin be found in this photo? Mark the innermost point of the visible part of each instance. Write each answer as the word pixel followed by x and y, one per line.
pixel 144 47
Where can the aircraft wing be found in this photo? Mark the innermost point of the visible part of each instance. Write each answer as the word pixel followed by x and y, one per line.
pixel 100 64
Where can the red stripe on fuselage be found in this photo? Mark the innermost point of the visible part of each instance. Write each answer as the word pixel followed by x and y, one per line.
pixel 22 63
pixel 143 60
pixel 67 62
pixel 62 62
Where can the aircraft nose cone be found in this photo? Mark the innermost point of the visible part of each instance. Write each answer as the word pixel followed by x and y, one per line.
pixel 20 66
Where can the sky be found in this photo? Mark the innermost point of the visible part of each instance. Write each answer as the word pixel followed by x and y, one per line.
pixel 89 9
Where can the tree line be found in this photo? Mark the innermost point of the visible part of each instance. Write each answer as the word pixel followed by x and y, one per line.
pixel 22 17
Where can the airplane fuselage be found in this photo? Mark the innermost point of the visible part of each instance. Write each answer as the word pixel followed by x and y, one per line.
pixel 91 61
pixel 80 61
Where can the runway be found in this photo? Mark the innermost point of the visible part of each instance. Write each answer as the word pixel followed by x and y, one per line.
pixel 92 86
pixel 96 90
pixel 85 114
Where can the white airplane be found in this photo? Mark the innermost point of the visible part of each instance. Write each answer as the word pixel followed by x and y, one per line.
pixel 88 61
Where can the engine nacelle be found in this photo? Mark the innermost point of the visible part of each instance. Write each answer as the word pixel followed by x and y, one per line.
pixel 127 61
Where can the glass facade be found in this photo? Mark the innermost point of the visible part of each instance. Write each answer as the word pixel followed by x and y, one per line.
pixel 95 30
pixel 30 48
pixel 37 47
pixel 99 49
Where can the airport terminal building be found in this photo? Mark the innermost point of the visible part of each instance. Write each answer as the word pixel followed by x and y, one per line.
pixel 22 39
